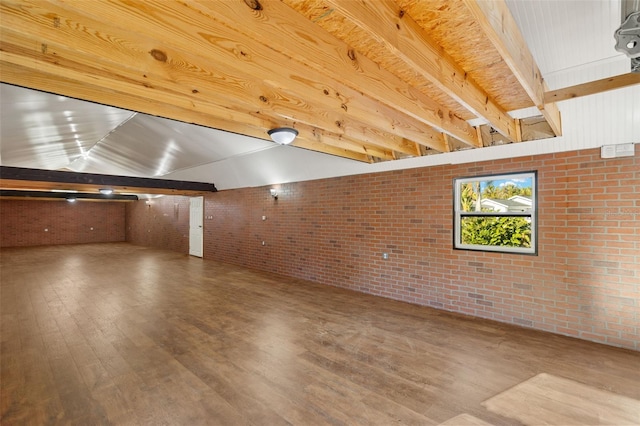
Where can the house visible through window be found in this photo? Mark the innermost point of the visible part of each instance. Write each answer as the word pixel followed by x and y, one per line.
pixel 496 213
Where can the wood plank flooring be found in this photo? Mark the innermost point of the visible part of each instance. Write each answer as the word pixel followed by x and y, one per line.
pixel 119 334
pixel 566 402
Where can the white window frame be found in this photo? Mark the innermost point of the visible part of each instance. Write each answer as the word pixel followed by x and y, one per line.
pixel 458 214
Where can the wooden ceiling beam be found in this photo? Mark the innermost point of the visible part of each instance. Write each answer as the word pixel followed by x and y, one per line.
pixel 394 142
pixel 314 145
pixel 174 78
pixel 592 87
pixel 11 194
pixel 23 185
pixel 249 66
pixel 24 67
pixel 344 142
pixel 274 105
pixel 498 24
pixel 403 38
pixel 136 99
pixel 37 179
pixel 227 120
pixel 51 83
pixel 349 73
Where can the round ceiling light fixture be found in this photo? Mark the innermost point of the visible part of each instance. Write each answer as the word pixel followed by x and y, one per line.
pixel 283 135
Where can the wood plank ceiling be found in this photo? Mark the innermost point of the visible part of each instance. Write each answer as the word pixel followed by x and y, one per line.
pixel 370 81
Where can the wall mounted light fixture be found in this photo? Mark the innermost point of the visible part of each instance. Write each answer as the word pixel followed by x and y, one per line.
pixel 283 135
pixel 106 191
pixel 273 193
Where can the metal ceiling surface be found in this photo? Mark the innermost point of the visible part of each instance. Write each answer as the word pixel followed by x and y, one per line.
pixel 147 146
pixel 44 131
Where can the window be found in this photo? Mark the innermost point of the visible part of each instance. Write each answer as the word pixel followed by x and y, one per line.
pixel 496 213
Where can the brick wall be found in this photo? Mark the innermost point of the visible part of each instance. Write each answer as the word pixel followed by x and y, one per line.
pixel 584 282
pixel 39 222
pixel 162 222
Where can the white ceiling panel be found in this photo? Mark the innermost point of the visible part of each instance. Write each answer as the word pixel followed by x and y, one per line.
pixel 147 146
pixel 274 165
pixel 567 34
pixel 45 131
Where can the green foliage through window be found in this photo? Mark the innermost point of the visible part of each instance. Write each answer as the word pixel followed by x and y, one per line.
pixel 496 231
pixel 496 213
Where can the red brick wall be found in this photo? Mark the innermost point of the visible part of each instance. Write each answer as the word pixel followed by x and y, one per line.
pixel 39 222
pixel 162 222
pixel 584 282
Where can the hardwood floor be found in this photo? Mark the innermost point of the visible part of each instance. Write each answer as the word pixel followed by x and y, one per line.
pixel 119 334
pixel 566 401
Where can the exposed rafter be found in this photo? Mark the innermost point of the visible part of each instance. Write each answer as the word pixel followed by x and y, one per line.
pixel 593 87
pixel 172 74
pixel 48 195
pixel 19 178
pixel 385 22
pixel 499 26
pixel 280 24
pixel 249 66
